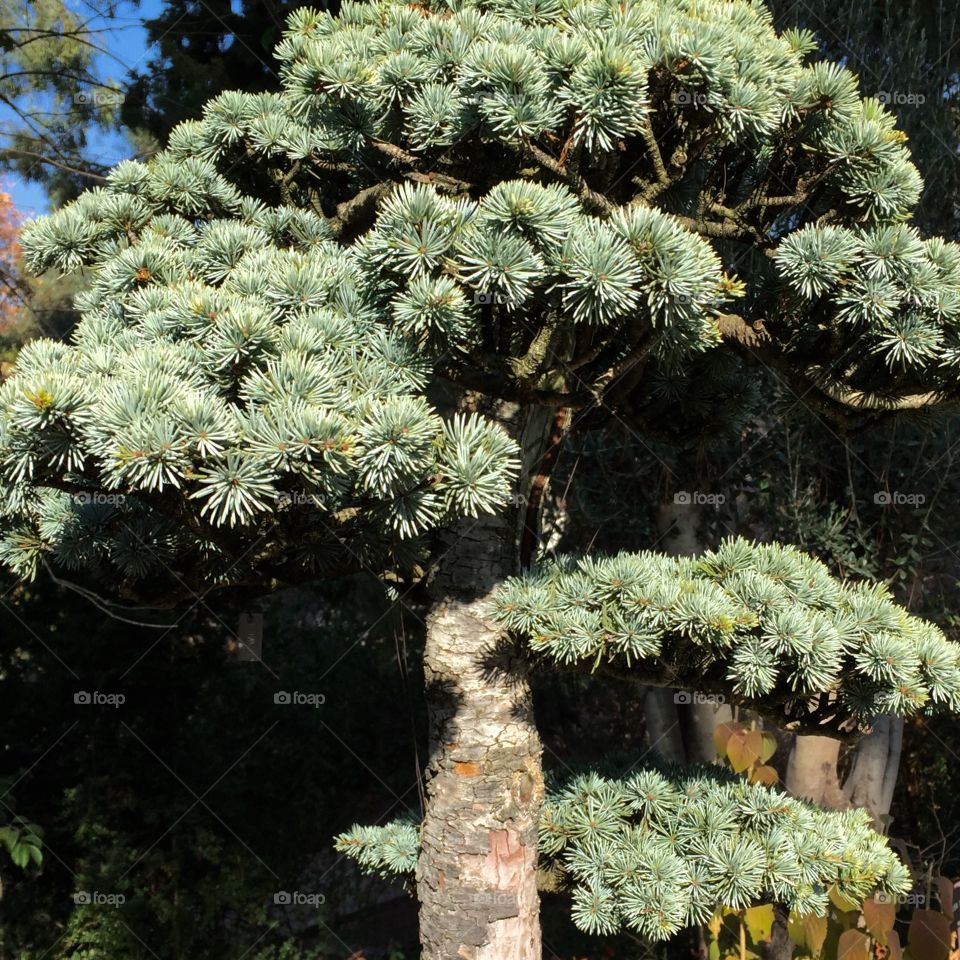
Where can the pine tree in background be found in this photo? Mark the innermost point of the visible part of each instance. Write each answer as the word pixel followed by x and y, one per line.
pixel 200 50
pixel 52 92
pixel 344 326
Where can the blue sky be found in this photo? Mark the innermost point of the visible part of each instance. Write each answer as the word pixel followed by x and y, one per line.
pixel 125 41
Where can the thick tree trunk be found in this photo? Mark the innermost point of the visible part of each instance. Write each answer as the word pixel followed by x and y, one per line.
pixel 662 719
pixel 700 722
pixel 476 877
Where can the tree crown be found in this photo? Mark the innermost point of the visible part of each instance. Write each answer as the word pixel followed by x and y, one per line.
pixel 537 200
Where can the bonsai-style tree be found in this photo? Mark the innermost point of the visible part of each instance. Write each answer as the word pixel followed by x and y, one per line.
pixel 344 327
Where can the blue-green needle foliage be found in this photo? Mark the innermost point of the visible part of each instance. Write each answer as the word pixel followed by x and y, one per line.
pixel 233 373
pixel 536 201
pixel 388 851
pixel 660 850
pixel 519 198
pixel 763 623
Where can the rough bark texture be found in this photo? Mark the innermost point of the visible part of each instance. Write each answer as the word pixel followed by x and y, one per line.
pixel 476 876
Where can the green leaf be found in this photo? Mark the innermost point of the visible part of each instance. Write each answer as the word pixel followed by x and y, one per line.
pixel 759 922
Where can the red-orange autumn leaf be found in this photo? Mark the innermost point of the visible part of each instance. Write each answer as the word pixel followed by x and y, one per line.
pixel 879 918
pixel 9 253
pixel 764 774
pixel 893 945
pixel 929 935
pixel 722 733
pixel 853 945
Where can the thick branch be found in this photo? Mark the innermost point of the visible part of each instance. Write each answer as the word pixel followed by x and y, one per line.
pixel 653 148
pixel 591 197
pixel 715 228
pixel 473 375
pixel 363 204
pixel 864 400
pixel 828 396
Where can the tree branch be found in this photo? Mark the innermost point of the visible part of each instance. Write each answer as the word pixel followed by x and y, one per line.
pixel 865 400
pixel 359 205
pixel 53 163
pixel 598 201
pixel 653 148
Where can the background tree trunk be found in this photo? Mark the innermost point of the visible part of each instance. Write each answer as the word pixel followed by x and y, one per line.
pixel 681 732
pixel 476 875
pixel 813 770
pixel 876 763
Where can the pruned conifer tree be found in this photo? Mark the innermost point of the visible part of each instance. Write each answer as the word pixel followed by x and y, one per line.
pixel 344 326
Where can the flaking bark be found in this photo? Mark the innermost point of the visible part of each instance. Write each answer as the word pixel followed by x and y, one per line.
pixel 477 876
